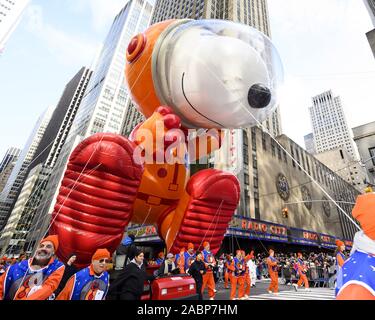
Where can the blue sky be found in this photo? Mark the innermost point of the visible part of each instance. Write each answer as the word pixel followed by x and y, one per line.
pixel 322 44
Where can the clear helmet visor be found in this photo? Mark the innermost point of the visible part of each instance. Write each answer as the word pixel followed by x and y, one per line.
pixel 217 74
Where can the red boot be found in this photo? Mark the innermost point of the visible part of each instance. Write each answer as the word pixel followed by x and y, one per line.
pixel 204 212
pixel 95 201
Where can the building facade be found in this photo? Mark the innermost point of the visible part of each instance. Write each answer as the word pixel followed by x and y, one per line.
pixel 10 14
pixel 19 224
pixel 340 162
pixel 15 182
pixel 106 102
pixel 330 128
pixel 364 137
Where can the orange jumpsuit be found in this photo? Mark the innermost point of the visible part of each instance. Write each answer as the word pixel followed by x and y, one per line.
pixel 302 274
pixel 272 270
pixel 228 273
pixel 238 277
pixel 208 277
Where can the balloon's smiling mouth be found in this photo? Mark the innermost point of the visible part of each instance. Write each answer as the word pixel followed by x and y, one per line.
pixel 195 109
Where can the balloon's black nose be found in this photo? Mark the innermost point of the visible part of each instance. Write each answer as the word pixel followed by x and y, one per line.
pixel 259 96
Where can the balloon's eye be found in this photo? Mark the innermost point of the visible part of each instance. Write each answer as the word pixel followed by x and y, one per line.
pixel 136 47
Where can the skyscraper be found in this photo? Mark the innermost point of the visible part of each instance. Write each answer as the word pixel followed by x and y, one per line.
pixel 7 165
pixel 309 143
pixel 329 124
pixel 106 101
pixel 370 5
pixel 364 138
pixel 10 156
pixel 14 184
pixel 46 155
pixel 10 14
pixel 13 236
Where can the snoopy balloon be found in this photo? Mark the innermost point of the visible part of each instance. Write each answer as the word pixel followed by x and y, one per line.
pixel 182 74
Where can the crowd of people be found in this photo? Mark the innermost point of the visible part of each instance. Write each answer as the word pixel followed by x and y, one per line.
pixel 21 279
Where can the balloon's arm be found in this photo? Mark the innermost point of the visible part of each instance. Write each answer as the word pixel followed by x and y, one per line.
pixel 355 292
pixel 157 132
pixel 49 286
pixel 204 144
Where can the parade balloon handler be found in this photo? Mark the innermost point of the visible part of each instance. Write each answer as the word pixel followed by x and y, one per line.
pixel 36 278
pixel 273 272
pixel 229 268
pixel 238 277
pixel 180 260
pixel 70 270
pixel 208 278
pixel 197 270
pixel 92 282
pixel 189 256
pixel 340 260
pixel 130 283
pixel 302 271
pixel 197 75
pixel 358 272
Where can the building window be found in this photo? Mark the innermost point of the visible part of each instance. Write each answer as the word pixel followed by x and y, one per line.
pixel 372 155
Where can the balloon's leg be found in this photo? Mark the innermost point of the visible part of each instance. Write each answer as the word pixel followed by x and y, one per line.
pixel 203 212
pixel 96 199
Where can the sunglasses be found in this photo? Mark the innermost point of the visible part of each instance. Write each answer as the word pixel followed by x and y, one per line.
pixel 103 261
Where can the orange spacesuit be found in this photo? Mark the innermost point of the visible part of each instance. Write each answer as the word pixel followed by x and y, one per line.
pixel 112 180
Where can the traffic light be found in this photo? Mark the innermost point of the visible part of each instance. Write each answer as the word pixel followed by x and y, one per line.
pixel 285 212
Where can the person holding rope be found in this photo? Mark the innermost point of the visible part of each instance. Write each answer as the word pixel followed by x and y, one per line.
pixel 302 271
pixel 36 278
pixel 208 278
pixel 90 283
pixel 189 256
pixel 180 260
pixel 229 268
pixel 340 260
pixel 238 276
pixel 273 273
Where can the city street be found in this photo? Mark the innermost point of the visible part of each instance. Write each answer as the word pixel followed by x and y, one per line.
pixel 260 292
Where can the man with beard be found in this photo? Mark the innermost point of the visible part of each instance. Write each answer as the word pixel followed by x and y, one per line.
pixel 90 283
pixel 36 278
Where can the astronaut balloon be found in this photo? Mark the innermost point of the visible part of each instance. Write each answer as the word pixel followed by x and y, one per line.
pixel 185 74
